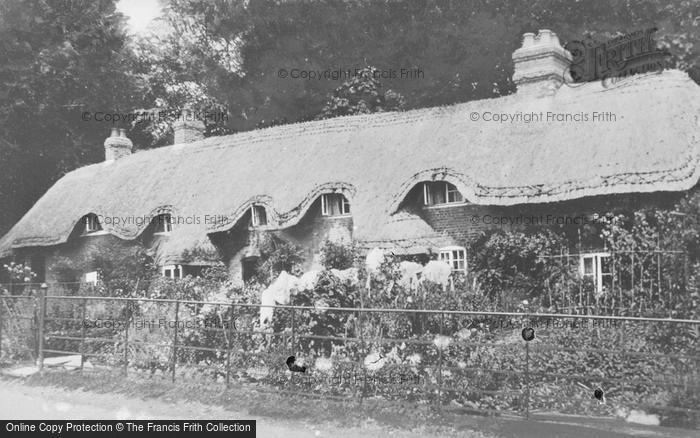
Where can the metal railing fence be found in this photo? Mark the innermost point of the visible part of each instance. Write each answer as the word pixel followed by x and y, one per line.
pixel 457 360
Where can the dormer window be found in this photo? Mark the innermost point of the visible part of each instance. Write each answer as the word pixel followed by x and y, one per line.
pixel 258 216
pixel 441 192
pixel 163 223
pixel 334 204
pixel 91 224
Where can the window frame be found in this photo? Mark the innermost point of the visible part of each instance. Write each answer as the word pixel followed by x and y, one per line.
pixel 598 276
pixel 343 204
pixel 451 259
pixel 167 224
pixel 429 187
pixel 176 271
pixel 91 225
pixel 255 216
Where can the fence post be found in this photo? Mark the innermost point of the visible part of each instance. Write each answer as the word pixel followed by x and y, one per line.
pixel 291 347
pixel 42 315
pixel 439 397
pixel 177 321
pixel 82 334
pixel 527 380
pixel 2 304
pixel 127 317
pixel 228 347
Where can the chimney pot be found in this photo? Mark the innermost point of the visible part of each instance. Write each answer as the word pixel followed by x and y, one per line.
pixel 187 128
pixel 541 64
pixel 117 145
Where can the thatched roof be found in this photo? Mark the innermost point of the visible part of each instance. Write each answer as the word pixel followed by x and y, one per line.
pixel 654 145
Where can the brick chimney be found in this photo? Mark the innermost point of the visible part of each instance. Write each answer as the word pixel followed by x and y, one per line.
pixel 117 145
pixel 541 64
pixel 187 128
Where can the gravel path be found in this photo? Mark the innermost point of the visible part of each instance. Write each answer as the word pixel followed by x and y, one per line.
pixel 21 402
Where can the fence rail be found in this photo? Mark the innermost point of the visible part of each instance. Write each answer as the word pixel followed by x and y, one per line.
pixel 457 360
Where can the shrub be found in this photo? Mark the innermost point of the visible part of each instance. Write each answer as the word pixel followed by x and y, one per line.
pixel 277 255
pixel 338 255
pixel 509 264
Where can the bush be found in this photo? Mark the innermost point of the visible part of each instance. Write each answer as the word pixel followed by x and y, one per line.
pixel 338 255
pixel 509 264
pixel 277 255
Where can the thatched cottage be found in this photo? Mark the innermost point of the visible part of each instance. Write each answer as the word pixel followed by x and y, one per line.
pixel 417 182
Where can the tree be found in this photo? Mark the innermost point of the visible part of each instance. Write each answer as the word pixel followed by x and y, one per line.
pixel 58 61
pixel 361 95
pixel 237 48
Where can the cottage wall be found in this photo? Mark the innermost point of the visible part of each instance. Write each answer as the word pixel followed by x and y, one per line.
pixel 312 231
pixel 465 222
pixel 79 251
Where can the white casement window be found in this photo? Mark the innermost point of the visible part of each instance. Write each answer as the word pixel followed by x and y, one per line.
pixel 164 223
pixel 91 278
pixel 258 216
pixel 92 224
pixel 172 271
pixel 455 256
pixel 597 268
pixel 334 204
pixel 441 192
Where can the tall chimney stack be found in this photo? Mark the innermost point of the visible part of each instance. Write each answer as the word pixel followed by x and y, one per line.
pixel 541 64
pixel 188 128
pixel 117 145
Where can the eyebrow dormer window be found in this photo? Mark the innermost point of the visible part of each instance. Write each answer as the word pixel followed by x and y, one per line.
pixel 91 224
pixel 164 223
pixel 441 192
pixel 258 216
pixel 334 204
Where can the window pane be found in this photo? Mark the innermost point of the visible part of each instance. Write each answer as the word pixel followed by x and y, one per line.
pixel 438 193
pixel 259 216
pixel 607 281
pixel 605 265
pixel 453 194
pixel 588 266
pixel 324 205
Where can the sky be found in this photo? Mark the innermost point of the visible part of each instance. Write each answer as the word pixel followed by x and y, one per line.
pixel 140 13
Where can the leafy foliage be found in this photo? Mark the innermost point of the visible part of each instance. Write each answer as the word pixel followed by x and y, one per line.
pixel 361 95
pixel 277 255
pixel 57 61
pixel 338 255
pixel 510 264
